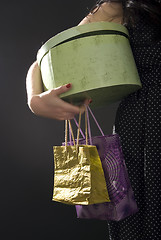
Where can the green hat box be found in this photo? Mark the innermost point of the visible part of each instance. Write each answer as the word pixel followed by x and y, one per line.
pixel 96 58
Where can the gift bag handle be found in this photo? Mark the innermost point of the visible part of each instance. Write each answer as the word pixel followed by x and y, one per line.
pixel 89 128
pixel 68 122
pixel 66 132
pixel 70 134
pixel 114 130
pixel 95 120
pixel 79 127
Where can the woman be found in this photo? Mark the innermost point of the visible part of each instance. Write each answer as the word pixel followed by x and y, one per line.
pixel 138 119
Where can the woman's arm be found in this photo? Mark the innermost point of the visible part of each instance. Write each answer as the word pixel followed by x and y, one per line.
pixel 33 81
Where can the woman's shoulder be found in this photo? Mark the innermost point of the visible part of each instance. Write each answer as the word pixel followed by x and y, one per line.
pixel 107 12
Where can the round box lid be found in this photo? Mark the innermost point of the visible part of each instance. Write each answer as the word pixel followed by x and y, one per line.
pixel 81 31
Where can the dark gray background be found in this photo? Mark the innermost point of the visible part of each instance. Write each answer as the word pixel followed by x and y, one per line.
pixel 26 172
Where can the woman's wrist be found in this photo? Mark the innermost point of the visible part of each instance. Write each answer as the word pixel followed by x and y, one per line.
pixel 33 102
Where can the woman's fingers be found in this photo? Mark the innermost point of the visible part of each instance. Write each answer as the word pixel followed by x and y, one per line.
pixel 62 89
pixel 67 106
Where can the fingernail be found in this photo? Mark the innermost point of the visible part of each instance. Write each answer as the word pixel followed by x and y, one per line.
pixel 68 85
pixel 90 101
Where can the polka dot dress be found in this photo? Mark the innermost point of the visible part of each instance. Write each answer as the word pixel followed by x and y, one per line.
pixel 138 122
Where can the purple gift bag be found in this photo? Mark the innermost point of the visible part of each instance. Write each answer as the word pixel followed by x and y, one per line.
pixel 122 203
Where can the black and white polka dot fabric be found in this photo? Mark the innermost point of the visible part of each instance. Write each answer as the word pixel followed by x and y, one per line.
pixel 138 122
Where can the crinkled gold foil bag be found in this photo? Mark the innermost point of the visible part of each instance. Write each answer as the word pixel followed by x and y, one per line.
pixel 78 175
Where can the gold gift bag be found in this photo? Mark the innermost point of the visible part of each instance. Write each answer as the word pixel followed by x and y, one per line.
pixel 78 173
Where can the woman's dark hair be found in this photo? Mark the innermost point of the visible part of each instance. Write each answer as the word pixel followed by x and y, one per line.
pixel 132 8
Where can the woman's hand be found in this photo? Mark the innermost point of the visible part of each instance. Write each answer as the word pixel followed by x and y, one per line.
pixel 48 104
